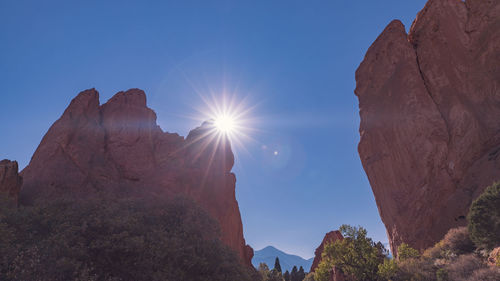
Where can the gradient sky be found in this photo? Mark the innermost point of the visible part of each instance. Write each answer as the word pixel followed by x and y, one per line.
pixel 294 61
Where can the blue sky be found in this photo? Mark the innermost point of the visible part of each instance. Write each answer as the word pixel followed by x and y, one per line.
pixel 293 60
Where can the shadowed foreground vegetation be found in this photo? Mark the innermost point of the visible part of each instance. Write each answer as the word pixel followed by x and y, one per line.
pixel 120 239
pixel 462 255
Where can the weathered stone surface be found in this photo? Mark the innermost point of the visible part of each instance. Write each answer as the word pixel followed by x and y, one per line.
pixel 118 148
pixel 10 180
pixel 330 237
pixel 430 117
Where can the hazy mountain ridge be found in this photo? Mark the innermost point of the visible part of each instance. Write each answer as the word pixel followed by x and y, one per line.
pixel 268 255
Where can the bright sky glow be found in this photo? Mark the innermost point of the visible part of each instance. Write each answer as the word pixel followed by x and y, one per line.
pixel 225 124
pixel 233 119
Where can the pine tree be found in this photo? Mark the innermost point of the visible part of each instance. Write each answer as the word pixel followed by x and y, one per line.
pixel 294 275
pixel 277 265
pixel 301 274
pixel 287 276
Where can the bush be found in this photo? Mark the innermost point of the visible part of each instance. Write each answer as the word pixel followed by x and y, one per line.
pixel 416 270
pixel 484 218
pixel 406 252
pixel 442 275
pixel 388 270
pixel 463 267
pixel 435 252
pixel 457 241
pixel 114 240
pixel 485 274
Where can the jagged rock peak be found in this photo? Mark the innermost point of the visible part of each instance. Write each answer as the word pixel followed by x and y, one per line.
pixel 10 181
pixel 118 148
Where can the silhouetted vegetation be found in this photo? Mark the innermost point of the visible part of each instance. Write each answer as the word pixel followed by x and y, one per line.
pixel 126 239
pixel 277 265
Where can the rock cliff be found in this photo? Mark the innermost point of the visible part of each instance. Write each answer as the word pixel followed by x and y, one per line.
pixel 117 148
pixel 430 117
pixel 10 181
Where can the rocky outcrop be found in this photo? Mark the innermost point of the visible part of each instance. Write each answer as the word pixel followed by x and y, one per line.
pixel 117 148
pixel 330 237
pixel 10 181
pixel 430 117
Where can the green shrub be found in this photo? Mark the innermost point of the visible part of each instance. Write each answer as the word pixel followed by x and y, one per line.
pixel 406 252
pixel 388 269
pixel 484 218
pixel 140 239
pixel 357 256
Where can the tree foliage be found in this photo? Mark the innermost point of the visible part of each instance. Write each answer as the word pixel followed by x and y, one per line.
pixel 114 240
pixel 406 252
pixel 484 218
pixel 357 256
pixel 286 276
pixel 388 269
pixel 277 265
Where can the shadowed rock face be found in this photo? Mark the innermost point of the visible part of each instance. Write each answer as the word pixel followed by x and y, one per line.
pixel 430 117
pixel 117 148
pixel 10 181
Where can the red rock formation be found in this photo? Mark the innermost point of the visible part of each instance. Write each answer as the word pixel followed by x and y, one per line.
pixel 10 181
pixel 430 117
pixel 118 148
pixel 330 237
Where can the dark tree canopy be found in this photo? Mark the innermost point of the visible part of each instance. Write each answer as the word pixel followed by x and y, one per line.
pixel 301 274
pixel 286 276
pixel 277 265
pixel 484 218
pixel 126 239
pixel 294 275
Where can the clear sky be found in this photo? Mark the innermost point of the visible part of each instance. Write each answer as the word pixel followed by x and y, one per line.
pixel 293 60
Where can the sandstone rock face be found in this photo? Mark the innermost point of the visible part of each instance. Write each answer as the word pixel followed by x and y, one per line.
pixel 118 148
pixel 10 181
pixel 430 117
pixel 330 237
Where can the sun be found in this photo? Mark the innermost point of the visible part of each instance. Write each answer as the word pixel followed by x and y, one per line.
pixel 229 117
pixel 225 124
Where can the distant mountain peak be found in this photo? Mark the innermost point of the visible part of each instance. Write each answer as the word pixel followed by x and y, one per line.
pixel 269 253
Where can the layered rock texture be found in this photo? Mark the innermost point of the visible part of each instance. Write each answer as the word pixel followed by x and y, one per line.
pixel 330 237
pixel 117 148
pixel 10 180
pixel 430 117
